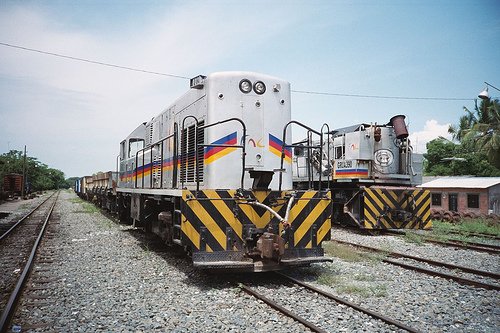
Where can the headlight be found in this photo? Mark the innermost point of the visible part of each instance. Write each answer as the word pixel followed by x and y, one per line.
pixel 245 86
pixel 259 87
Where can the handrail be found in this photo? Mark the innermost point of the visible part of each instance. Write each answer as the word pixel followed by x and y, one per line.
pixel 242 146
pixel 143 152
pixel 176 154
pixel 327 151
pixel 284 145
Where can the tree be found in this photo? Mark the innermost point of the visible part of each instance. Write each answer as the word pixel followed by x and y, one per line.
pixel 445 158
pixel 480 130
pixel 71 181
pixel 39 176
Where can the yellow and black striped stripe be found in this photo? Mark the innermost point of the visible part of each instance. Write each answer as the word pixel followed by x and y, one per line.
pixel 381 205
pixel 219 220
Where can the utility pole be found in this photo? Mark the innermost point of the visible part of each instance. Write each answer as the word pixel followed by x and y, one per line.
pixel 24 173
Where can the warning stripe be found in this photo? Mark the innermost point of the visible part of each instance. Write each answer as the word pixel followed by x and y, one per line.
pixel 209 215
pixel 197 215
pixel 191 233
pixel 297 213
pixel 377 201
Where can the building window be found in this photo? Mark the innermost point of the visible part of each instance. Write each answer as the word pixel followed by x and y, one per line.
pixel 473 200
pixel 436 199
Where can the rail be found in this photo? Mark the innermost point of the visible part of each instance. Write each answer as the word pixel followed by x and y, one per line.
pixel 6 233
pixel 9 310
pixel 350 304
pixel 458 279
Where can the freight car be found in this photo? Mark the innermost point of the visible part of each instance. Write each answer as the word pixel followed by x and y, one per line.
pixel 83 187
pixel 372 173
pixel 13 185
pixel 99 188
pixel 212 173
pixel 104 190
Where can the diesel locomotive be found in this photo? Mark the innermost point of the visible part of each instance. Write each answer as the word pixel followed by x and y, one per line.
pixel 213 173
pixel 372 173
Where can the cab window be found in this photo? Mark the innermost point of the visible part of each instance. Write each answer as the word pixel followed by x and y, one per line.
pixel 134 145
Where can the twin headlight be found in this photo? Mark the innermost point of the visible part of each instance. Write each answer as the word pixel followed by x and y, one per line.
pixel 258 87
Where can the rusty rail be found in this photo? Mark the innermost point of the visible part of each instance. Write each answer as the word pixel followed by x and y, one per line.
pixel 9 310
pixel 352 305
pixel 6 233
pixel 281 309
pixel 435 263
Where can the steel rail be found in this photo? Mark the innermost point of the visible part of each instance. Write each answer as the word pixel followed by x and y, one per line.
pixel 439 274
pixel 473 234
pixel 9 310
pixel 455 243
pixel 281 309
pixel 470 246
pixel 428 261
pixel 455 278
pixel 5 234
pixel 350 304
pixel 469 243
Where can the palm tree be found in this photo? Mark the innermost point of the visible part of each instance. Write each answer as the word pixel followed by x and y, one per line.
pixel 480 130
pixel 465 123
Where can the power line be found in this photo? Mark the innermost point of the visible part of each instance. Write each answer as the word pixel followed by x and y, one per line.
pixel 384 97
pixel 185 77
pixel 92 61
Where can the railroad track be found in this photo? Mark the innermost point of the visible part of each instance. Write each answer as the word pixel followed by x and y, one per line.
pixel 469 245
pixel 7 228
pixel 19 246
pixel 473 234
pixel 462 280
pixel 307 290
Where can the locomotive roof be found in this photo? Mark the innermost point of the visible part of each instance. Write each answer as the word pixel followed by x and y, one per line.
pixel 348 129
pixel 354 128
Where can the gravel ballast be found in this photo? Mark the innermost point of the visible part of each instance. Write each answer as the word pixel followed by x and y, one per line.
pixel 111 278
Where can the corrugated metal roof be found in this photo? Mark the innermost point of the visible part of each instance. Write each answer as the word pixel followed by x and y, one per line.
pixel 462 182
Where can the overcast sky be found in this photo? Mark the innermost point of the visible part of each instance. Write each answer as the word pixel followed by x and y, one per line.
pixel 72 115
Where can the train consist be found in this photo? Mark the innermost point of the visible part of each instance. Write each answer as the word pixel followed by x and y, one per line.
pixel 372 173
pixel 212 173
pixel 216 173
pixel 99 188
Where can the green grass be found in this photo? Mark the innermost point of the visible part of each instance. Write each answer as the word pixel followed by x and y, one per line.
pixel 412 237
pixel 87 208
pixel 364 277
pixel 466 226
pixel 76 200
pixel 360 284
pixel 364 291
pixel 351 254
pixel 329 279
pixel 343 252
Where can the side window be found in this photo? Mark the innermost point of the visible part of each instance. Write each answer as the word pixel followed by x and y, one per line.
pixel 339 152
pixel 473 200
pixel 134 145
pixel 123 154
pixel 436 199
